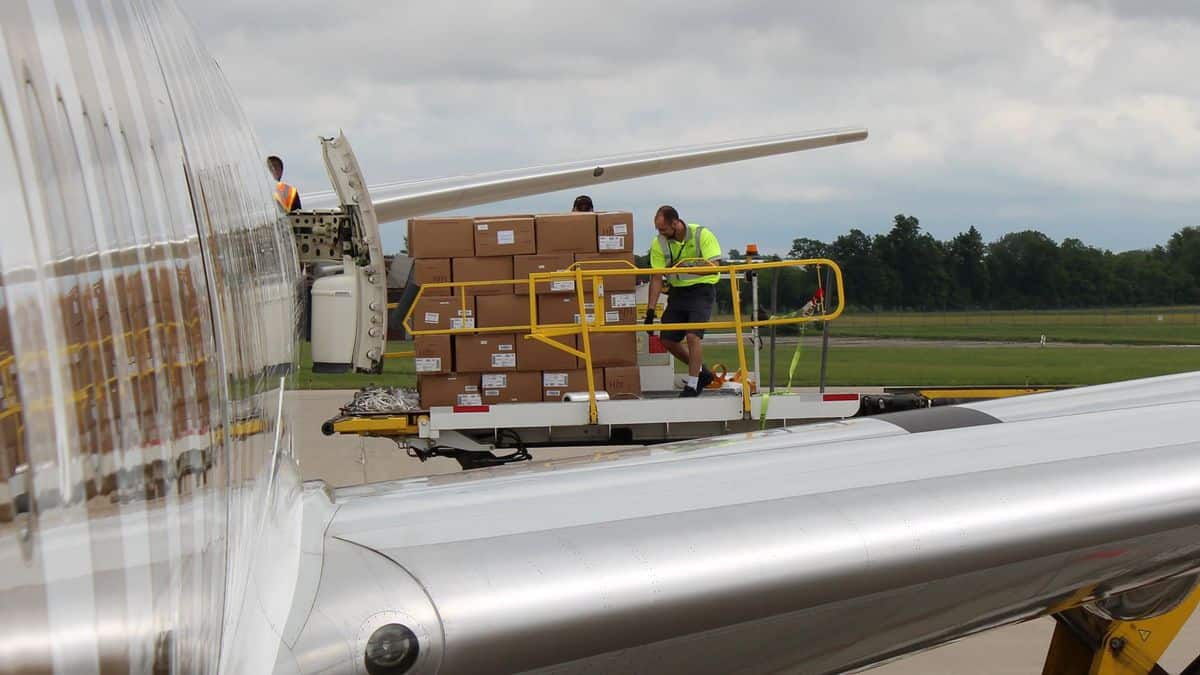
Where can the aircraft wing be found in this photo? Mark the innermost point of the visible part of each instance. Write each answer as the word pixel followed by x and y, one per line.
pixel 396 201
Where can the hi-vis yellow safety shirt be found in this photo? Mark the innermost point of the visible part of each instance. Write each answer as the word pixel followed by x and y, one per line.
pixel 700 243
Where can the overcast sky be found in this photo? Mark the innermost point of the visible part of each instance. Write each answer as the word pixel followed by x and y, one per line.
pixel 1078 119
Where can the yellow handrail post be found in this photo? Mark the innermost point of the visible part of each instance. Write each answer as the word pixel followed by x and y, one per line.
pixel 737 329
pixel 593 414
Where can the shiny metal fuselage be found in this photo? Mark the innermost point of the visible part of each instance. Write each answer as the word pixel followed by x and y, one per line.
pixel 146 319
pixel 822 548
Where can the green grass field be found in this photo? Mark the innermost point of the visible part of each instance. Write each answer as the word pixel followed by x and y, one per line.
pixel 982 365
pixel 1162 325
pixel 936 365
pixel 396 372
pixel 865 366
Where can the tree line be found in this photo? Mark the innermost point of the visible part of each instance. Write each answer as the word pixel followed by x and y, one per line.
pixel 908 269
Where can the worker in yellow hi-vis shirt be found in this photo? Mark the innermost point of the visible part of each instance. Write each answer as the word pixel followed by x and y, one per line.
pixel 690 297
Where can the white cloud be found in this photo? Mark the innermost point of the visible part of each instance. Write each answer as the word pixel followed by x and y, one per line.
pixel 1082 119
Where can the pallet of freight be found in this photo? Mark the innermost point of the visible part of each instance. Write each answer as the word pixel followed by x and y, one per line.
pixel 505 367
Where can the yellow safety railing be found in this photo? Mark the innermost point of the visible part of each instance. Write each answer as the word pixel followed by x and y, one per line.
pixel 545 333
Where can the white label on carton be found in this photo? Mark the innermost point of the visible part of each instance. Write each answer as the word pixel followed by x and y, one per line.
pixel 620 228
pixel 504 360
pixel 457 323
pixel 505 237
pixel 504 348
pixel 553 393
pixel 491 392
pixel 470 399
pixel 611 243
pixel 591 318
pixel 554 380
pixel 470 387
pixel 622 300
pixel 562 285
pixel 482 227
pixel 463 312
pixel 428 364
pixel 495 380
pixel 612 316
pixel 432 317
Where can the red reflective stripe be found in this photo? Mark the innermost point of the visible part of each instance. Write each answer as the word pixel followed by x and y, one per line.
pixel 472 408
pixel 840 397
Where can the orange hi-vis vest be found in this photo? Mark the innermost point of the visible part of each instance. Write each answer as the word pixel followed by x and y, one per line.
pixel 285 196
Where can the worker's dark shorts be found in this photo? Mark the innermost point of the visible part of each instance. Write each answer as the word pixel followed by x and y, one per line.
pixel 688 304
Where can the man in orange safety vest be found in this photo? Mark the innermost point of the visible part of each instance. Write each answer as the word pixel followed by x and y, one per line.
pixel 285 195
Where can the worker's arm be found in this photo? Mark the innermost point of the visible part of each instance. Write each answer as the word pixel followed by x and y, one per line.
pixel 658 260
pixel 656 281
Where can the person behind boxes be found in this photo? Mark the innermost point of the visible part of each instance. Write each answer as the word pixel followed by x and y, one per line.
pixel 285 195
pixel 583 203
pixel 690 297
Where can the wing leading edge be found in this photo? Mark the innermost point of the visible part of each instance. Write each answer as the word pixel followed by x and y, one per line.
pixel 396 201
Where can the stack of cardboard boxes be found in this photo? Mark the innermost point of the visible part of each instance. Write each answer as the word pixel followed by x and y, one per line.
pixel 505 367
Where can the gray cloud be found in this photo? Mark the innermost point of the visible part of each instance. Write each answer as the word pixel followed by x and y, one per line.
pixel 1081 119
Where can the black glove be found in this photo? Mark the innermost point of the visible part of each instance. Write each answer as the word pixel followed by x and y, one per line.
pixel 650 315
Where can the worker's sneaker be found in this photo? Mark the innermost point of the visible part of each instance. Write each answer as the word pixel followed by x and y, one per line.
pixel 689 392
pixel 704 379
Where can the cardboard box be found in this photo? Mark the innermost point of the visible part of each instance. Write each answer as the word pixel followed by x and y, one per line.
pixel 532 354
pixel 453 389
pixel 614 231
pixel 558 383
pixel 613 349
pixel 524 265
pixel 432 271
pixel 623 382
pixel 610 261
pixel 559 309
pixel 442 313
pixel 504 236
pixel 566 233
pixel 489 353
pixel 620 317
pixel 432 355
pixel 511 387
pixel 441 237
pixel 622 301
pixel 497 268
pixel 497 311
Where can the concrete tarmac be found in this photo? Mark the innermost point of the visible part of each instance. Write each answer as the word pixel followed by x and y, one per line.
pixel 343 461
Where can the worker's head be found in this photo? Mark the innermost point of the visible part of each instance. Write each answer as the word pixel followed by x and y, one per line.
pixel 583 203
pixel 667 222
pixel 276 166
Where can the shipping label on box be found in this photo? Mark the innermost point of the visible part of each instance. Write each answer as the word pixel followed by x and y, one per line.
pixel 504 360
pixel 612 316
pixel 458 324
pixel 559 285
pixel 622 300
pixel 470 399
pixel 553 393
pixel 620 228
pixel 432 317
pixel 611 243
pixel 429 364
pixel 555 379
pixel 495 380
pixel 505 238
